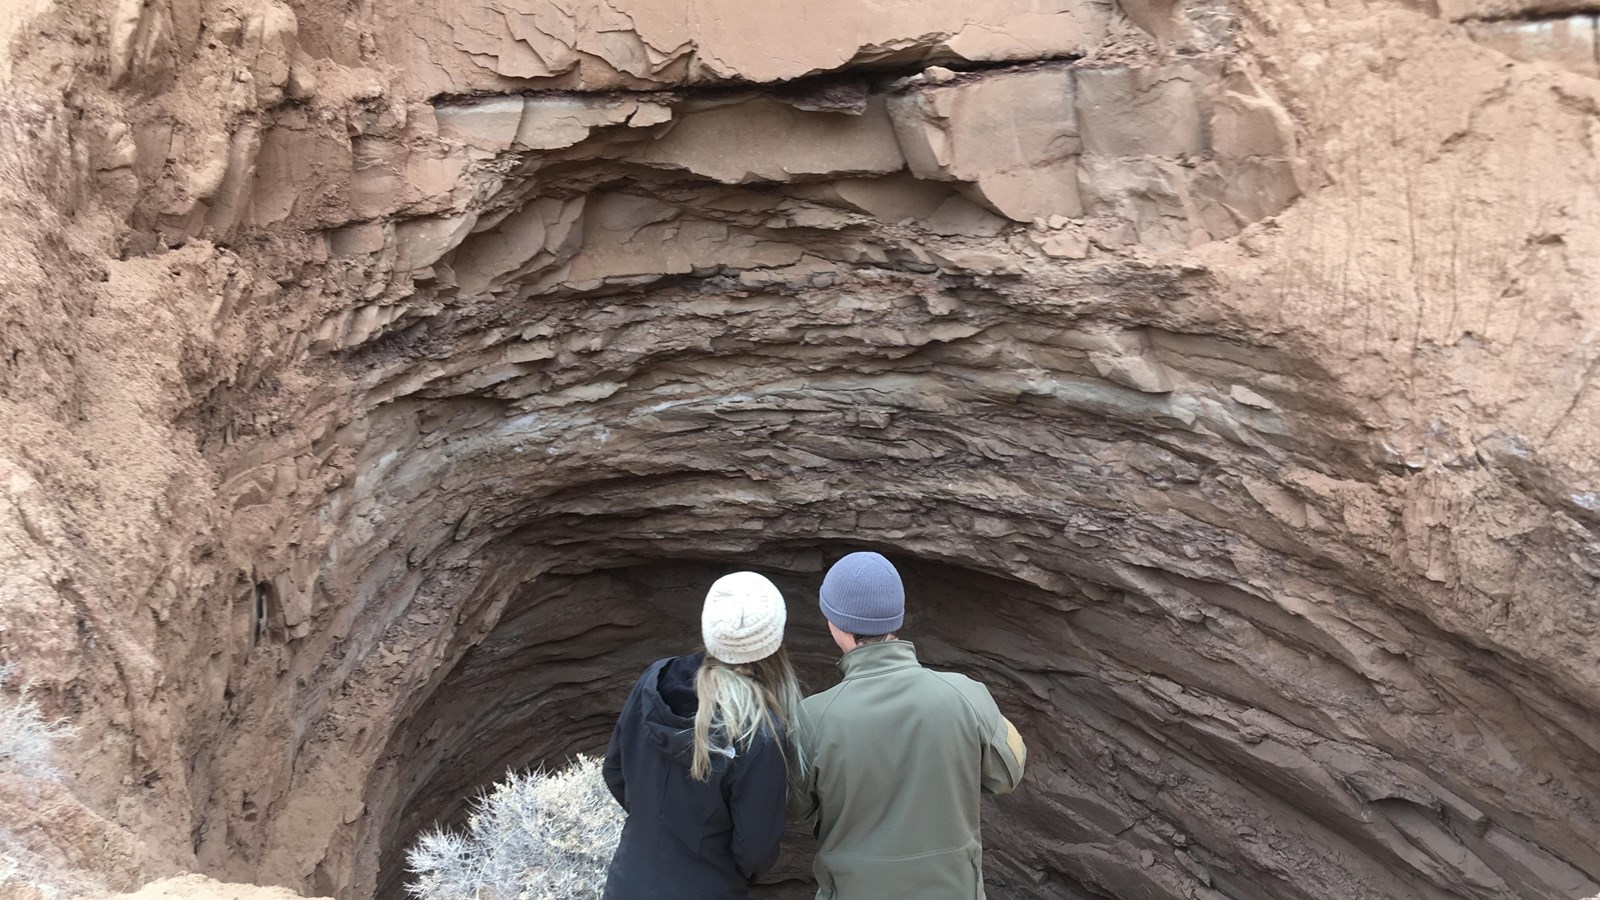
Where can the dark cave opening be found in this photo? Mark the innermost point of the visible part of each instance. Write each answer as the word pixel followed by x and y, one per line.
pixel 547 683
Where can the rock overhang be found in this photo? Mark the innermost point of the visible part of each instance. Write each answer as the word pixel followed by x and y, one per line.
pixel 571 309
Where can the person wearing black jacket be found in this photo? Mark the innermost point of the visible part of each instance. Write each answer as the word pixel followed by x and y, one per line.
pixel 701 759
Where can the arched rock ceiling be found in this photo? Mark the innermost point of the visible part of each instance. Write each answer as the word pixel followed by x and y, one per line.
pixel 1145 337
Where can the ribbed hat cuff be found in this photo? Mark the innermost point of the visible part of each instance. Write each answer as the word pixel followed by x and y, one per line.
pixel 739 652
pixel 851 624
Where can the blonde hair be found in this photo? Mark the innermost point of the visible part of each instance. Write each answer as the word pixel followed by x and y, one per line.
pixel 737 701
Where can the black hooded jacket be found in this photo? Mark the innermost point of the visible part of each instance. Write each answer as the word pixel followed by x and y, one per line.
pixel 687 839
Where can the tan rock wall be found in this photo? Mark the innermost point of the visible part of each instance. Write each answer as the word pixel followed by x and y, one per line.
pixel 377 384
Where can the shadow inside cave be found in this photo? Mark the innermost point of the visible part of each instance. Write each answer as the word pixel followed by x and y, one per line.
pixel 549 680
pixel 1157 748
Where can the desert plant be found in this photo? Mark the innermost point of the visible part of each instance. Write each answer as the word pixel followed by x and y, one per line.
pixel 27 737
pixel 534 836
pixel 27 743
pixel 24 875
pixel 28 875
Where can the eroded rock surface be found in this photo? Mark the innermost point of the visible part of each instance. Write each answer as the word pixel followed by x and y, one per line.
pixel 382 386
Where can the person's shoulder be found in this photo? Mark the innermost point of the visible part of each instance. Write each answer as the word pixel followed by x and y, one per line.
pixel 956 680
pixel 974 692
pixel 652 673
pixel 821 699
pixel 815 707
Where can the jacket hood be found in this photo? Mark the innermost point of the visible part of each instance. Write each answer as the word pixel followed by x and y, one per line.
pixel 670 705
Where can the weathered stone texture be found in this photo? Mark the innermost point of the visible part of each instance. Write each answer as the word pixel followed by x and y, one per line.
pixel 462 48
pixel 1569 43
pixel 380 387
pixel 1015 137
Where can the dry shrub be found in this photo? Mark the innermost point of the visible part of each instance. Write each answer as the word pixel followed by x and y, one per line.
pixel 533 836
pixel 27 738
pixel 27 745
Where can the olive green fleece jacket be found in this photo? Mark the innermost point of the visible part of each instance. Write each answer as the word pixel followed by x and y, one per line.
pixel 898 757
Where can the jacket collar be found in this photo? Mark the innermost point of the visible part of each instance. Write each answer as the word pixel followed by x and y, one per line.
pixel 877 659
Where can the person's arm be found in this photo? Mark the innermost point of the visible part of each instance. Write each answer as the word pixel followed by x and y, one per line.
pixel 1004 756
pixel 807 805
pixel 611 769
pixel 758 788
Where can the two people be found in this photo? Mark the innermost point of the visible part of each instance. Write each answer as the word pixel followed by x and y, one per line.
pixel 888 765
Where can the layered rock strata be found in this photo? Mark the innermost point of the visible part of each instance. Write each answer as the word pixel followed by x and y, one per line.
pixel 385 384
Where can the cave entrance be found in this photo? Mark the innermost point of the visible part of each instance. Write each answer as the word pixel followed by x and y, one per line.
pixel 549 680
pixel 1163 762
pixel 655 346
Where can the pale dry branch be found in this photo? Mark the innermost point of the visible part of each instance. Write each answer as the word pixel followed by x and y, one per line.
pixel 533 836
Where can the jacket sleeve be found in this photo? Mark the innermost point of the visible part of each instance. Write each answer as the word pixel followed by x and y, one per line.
pixel 807 805
pixel 1004 754
pixel 611 769
pixel 758 786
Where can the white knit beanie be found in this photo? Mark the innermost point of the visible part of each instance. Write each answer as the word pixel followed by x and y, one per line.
pixel 743 618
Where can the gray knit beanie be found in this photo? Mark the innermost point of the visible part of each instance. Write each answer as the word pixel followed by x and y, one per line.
pixel 862 595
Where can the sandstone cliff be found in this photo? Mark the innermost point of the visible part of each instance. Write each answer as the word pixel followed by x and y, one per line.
pixel 381 383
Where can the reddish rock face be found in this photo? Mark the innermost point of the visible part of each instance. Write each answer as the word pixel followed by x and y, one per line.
pixel 381 388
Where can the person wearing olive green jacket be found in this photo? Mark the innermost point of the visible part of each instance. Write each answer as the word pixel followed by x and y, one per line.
pixel 897 754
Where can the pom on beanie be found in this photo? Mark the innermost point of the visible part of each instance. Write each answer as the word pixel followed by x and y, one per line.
pixel 862 594
pixel 743 618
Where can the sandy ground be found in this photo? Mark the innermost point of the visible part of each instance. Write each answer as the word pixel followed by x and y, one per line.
pixel 199 887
